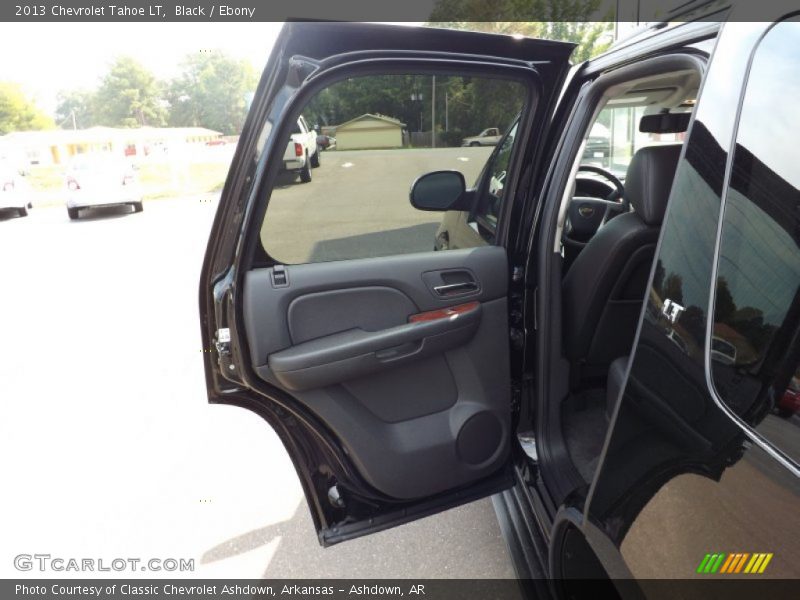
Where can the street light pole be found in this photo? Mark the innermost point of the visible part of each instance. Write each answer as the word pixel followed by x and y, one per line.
pixel 433 112
pixel 417 97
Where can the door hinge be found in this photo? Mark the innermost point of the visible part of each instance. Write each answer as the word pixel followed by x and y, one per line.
pixel 517 338
pixel 516 398
pixel 516 321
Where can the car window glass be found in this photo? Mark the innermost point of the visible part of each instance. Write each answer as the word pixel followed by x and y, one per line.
pixel 755 345
pixel 349 196
pixel 484 217
pixel 614 138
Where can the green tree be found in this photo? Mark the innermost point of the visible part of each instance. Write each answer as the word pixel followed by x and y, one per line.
pixel 658 278
pixel 211 92
pixel 673 288
pixel 388 95
pixel 18 112
pixel 725 306
pixel 75 106
pixel 466 105
pixel 565 20
pixel 129 96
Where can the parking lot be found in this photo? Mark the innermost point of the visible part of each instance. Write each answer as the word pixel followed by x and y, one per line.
pixel 110 449
pixel 357 204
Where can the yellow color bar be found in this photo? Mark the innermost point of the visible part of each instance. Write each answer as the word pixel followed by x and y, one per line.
pixel 753 564
pixel 765 563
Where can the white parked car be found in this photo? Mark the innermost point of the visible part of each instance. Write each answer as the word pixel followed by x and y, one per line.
pixel 101 180
pixel 302 153
pixel 487 137
pixel 15 192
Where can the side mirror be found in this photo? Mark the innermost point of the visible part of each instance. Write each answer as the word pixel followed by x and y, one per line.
pixel 439 190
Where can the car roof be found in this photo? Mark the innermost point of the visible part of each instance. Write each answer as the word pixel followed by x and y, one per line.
pixel 682 12
pixel 656 38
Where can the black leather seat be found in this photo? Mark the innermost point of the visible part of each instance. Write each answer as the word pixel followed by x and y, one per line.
pixel 605 286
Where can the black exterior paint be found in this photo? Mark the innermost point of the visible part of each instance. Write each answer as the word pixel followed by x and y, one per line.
pixel 680 477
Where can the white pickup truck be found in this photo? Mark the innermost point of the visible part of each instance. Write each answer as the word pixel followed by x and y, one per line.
pixel 301 153
pixel 487 137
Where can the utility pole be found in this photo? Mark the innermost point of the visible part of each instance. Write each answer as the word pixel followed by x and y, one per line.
pixel 417 97
pixel 74 125
pixel 446 113
pixel 433 112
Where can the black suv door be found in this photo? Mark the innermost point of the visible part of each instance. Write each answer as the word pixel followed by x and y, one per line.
pixel 385 373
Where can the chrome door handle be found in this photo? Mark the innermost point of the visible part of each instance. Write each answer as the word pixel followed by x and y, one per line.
pixel 456 288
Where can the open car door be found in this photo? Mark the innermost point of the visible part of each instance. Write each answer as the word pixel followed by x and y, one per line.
pixel 385 372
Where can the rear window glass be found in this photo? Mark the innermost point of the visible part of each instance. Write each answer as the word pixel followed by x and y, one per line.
pixel 755 345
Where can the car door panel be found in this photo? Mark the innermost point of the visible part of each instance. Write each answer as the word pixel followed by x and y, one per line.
pixel 350 290
pixel 423 401
pixel 353 353
pixel 317 314
pixel 387 378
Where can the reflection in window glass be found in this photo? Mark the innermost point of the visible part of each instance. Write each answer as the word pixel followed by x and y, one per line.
pixel 755 345
pixel 488 208
pixel 348 166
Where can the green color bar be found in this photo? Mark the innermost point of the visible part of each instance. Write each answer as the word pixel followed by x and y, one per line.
pixel 711 562
pixel 718 563
pixel 701 568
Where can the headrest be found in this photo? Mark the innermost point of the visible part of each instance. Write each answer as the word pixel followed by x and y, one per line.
pixel 665 123
pixel 649 181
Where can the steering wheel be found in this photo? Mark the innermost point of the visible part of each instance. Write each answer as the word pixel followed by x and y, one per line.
pixel 587 214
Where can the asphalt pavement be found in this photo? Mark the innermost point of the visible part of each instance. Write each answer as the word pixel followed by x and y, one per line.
pixel 110 449
pixel 357 204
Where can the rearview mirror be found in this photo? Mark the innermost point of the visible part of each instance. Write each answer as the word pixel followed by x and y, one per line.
pixel 665 123
pixel 439 190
